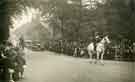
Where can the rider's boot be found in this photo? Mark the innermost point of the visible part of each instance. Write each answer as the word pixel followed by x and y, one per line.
pixel 94 46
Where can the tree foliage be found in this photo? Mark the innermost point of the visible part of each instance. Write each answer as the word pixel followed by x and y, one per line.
pixel 77 21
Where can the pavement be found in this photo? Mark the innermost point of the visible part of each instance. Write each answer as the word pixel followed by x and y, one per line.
pixel 53 67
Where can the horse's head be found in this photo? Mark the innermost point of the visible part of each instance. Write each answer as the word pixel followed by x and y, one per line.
pixel 105 40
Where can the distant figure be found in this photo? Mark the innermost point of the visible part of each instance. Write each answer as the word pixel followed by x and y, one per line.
pixel 20 63
pixel 21 42
pixel 82 51
pixel 76 51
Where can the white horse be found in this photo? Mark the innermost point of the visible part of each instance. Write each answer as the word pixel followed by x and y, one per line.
pixel 100 49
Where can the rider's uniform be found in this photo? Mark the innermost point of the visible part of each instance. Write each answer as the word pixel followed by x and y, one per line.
pixel 96 40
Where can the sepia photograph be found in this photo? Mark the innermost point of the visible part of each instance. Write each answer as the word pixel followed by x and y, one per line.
pixel 67 40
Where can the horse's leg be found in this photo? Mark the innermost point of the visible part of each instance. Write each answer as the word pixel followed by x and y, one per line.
pixel 98 54
pixel 90 56
pixel 102 56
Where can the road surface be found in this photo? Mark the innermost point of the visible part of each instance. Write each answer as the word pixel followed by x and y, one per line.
pixel 51 67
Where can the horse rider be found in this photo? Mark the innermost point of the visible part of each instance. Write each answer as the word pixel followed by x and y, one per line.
pixel 97 38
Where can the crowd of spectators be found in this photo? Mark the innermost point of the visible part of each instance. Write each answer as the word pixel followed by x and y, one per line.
pixel 11 62
pixel 117 50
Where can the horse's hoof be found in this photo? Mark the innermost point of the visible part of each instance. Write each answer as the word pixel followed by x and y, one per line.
pixel 95 62
pixel 90 62
pixel 102 64
pixel 74 56
pixel 11 81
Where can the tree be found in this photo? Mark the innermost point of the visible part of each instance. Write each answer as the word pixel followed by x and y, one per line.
pixel 78 19
pixel 7 9
pixel 4 22
pixel 119 15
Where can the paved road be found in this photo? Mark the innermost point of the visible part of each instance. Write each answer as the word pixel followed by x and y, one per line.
pixel 50 67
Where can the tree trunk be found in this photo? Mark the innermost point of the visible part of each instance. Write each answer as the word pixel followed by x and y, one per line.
pixel 4 20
